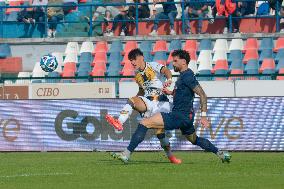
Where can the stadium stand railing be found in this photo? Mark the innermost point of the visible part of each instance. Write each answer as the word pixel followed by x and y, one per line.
pixel 9 23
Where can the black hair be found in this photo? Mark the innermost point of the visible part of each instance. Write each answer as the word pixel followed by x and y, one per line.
pixel 182 54
pixel 134 53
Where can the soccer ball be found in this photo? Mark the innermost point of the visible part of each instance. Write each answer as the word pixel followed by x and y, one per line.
pixel 48 63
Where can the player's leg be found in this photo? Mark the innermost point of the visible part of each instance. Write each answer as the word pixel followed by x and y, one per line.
pixel 133 103
pixel 208 146
pixel 164 106
pixel 155 122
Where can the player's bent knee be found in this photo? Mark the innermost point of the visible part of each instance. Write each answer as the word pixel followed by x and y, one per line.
pixel 192 138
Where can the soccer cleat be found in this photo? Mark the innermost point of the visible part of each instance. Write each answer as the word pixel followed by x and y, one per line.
pixel 174 160
pixel 120 156
pixel 114 122
pixel 224 156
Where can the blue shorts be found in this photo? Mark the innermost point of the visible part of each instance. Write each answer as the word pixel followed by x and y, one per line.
pixel 178 120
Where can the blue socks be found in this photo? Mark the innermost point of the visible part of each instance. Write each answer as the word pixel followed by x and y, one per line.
pixel 206 145
pixel 137 137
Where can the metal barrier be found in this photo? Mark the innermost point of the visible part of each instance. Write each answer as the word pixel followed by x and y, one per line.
pixel 136 20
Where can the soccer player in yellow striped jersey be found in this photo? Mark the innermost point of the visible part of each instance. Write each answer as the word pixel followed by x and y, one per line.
pixel 151 77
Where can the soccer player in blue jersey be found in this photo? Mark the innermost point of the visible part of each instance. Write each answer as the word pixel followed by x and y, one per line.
pixel 182 115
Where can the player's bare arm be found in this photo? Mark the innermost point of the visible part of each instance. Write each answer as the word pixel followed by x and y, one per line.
pixel 203 105
pixel 168 75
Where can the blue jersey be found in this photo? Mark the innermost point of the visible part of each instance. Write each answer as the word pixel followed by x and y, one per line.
pixel 184 95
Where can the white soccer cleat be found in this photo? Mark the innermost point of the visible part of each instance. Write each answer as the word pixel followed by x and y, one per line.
pixel 121 156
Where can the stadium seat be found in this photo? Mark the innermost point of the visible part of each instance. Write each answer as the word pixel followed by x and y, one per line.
pixel 251 44
pixel 86 57
pixel 87 46
pixel 101 46
pixel 129 45
pixel 71 57
pixel 146 46
pixel 265 54
pixel 252 65
pixel 160 56
pixel 252 71
pixel 114 57
pixel 281 71
pixel 70 66
pixel 71 48
pixel 204 75
pixel 82 74
pixel 14 3
pixel 5 50
pixel 267 71
pixel 190 45
pixel 114 68
pixel 174 45
pixel 127 73
pixel 221 72
pixel 53 74
pixel 221 65
pixel 23 81
pixel 116 46
pixel 192 54
pixel 250 54
pixel 127 68
pixel 205 65
pixel 37 68
pixel 237 64
pixel 280 65
pixel 205 44
pixel 279 44
pixel 84 67
pixel 266 43
pixel 236 72
pixel 38 74
pixel 148 56
pixel 219 55
pixel 100 57
pixel 193 66
pixel 163 62
pixel 235 55
pixel 125 59
pixel 205 56
pixel 280 55
pixel 267 64
pixel 97 72
pixel 221 45
pixel 100 66
pixel 160 45
pixel 236 44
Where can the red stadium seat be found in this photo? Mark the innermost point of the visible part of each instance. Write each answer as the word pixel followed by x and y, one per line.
pixel 127 68
pixel 221 65
pixel 279 44
pixel 101 46
pixel 100 57
pixel 100 66
pixel 234 72
pixel 190 45
pixel 251 43
pixel 125 59
pixel 70 66
pixel 129 45
pixel 11 65
pixel 160 45
pixel 14 3
pixel 250 54
pixel 267 64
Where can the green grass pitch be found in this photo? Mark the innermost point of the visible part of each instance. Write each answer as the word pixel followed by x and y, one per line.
pixel 68 170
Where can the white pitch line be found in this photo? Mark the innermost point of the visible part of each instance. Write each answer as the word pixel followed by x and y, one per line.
pixel 33 175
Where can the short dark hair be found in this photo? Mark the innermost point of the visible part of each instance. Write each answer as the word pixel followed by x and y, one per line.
pixel 182 54
pixel 134 53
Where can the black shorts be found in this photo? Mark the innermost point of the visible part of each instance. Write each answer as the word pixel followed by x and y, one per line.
pixel 179 120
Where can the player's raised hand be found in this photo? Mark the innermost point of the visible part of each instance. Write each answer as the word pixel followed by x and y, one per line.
pixel 167 83
pixel 205 122
pixel 166 91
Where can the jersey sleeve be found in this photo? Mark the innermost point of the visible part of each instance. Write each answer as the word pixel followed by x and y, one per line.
pixel 156 66
pixel 190 80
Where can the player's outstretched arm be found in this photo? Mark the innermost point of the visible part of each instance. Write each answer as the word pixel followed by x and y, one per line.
pixel 203 105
